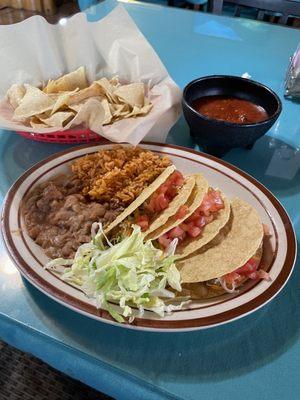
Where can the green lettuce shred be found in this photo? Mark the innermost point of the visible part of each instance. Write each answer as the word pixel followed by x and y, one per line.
pixel 131 274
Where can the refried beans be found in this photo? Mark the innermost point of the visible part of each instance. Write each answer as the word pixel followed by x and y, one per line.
pixel 59 218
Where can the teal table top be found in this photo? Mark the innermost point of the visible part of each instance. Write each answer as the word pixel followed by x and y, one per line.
pixel 256 357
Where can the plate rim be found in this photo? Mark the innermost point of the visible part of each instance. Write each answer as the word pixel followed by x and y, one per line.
pixel 157 325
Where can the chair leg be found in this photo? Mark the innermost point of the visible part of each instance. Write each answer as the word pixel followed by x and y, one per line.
pixel 283 19
pixel 215 6
pixel 237 11
pixel 185 4
pixel 260 15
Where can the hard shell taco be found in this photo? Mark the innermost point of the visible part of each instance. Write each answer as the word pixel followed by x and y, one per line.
pixel 156 204
pixel 197 222
pixel 231 258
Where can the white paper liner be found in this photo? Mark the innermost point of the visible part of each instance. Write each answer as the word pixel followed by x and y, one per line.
pixel 34 51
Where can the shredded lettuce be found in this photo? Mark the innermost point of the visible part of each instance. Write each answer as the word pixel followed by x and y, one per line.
pixel 132 274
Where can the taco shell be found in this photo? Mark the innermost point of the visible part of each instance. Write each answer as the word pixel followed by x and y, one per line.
pixel 210 231
pixel 230 249
pixel 204 290
pixel 193 201
pixel 180 199
pixel 142 197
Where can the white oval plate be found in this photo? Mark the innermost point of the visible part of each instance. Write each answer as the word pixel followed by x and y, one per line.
pixel 279 254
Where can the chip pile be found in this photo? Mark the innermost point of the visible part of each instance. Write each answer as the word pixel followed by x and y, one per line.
pixel 70 101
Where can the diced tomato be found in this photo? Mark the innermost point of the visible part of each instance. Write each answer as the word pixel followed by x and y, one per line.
pixel 184 226
pixel 177 178
pixel 208 219
pixel 144 225
pixel 182 237
pixel 205 205
pixel 181 212
pixel 150 205
pixel 164 241
pixel 143 222
pixel 203 215
pixel 195 216
pixel 200 221
pixel 165 193
pixel 192 218
pixel 172 192
pixel 194 231
pixel 143 218
pixel 217 199
pixel 232 278
pixel 163 188
pixel 248 268
pixel 212 202
pixel 162 202
pixel 253 275
pixel 176 232
pixel 157 203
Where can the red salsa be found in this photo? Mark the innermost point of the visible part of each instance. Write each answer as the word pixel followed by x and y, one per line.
pixel 230 109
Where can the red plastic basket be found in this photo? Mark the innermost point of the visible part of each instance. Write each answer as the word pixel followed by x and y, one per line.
pixel 68 136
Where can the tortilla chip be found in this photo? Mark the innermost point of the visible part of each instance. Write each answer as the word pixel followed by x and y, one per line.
pixel 45 114
pixel 15 95
pixel 114 81
pixel 63 100
pixel 139 111
pixel 76 107
pixel 142 197
pixel 59 119
pixel 119 110
pixel 90 112
pixel 132 94
pixel 92 91
pixel 181 198
pixel 34 102
pixel 71 93
pixel 68 82
pixel 108 116
pixel 193 202
pixel 108 89
pixel 36 123
pixel 230 249
pixel 147 107
pixel 210 231
pixel 38 126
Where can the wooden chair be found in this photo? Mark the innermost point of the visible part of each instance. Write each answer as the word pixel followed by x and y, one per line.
pixel 284 8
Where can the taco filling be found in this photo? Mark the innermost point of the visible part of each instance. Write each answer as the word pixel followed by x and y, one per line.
pixel 194 225
pixel 250 270
pixel 158 201
pixel 156 208
pixel 228 283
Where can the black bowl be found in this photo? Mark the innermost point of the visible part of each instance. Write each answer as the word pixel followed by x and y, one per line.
pixel 215 136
